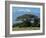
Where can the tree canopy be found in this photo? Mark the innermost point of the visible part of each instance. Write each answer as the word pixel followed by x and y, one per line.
pixel 26 18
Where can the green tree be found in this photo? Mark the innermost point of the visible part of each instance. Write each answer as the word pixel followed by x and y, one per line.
pixel 26 18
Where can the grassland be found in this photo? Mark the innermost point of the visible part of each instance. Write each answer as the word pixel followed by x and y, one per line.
pixel 26 28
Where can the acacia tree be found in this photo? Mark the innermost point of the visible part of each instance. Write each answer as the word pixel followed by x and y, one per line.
pixel 26 18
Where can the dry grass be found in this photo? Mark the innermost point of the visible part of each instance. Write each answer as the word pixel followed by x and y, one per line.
pixel 26 28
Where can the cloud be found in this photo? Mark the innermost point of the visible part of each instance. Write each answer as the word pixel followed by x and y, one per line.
pixel 24 10
pixel 28 10
pixel 20 10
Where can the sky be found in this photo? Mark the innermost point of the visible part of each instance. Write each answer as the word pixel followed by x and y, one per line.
pixel 18 11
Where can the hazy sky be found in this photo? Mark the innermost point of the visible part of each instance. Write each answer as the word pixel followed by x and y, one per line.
pixel 18 11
